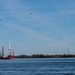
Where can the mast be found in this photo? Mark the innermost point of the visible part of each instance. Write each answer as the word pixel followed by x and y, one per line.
pixel 11 55
pixel 9 47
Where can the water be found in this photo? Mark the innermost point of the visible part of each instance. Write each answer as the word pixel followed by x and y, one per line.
pixel 39 66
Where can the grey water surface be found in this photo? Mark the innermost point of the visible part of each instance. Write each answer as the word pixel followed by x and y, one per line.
pixel 38 66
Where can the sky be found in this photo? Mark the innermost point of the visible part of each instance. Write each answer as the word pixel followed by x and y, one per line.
pixel 38 26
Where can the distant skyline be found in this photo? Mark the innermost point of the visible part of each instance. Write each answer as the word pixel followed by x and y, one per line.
pixel 38 26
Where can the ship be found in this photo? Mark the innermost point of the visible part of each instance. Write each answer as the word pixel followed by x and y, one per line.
pixel 10 55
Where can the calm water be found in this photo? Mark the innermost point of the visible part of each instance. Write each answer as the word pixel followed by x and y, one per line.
pixel 46 66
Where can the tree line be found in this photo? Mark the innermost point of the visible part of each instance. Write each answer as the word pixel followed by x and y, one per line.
pixel 45 56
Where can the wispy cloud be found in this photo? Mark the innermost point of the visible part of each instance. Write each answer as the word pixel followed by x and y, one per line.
pixel 16 12
pixel 22 13
pixel 35 35
pixel 31 33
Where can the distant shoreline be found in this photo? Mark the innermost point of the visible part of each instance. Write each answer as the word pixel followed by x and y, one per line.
pixel 45 56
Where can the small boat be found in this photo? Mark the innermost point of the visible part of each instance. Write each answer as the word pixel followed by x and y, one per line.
pixel 4 57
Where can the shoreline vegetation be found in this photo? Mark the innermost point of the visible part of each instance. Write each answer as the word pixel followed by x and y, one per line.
pixel 46 56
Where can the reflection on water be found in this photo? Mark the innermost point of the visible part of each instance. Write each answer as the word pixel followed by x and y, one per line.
pixel 45 66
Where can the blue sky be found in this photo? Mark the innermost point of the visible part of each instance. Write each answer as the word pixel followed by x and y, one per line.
pixel 38 26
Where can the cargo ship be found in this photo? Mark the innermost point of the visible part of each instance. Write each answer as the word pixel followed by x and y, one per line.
pixel 10 55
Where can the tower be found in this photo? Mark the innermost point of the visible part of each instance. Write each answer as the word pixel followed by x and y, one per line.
pixel 2 51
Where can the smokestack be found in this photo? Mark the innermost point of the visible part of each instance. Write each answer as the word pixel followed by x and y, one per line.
pixel 2 51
